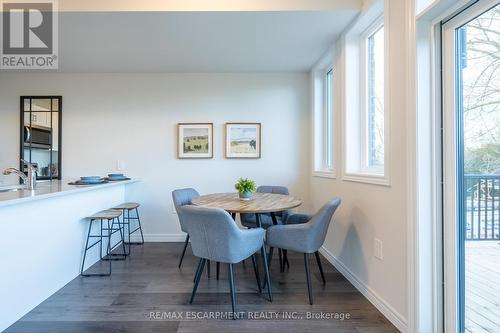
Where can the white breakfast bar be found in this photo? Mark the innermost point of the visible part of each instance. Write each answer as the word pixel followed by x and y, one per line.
pixel 44 237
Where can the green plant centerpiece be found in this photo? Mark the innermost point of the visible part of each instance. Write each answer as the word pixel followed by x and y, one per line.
pixel 245 188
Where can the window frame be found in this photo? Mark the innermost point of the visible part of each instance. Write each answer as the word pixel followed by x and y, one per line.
pixel 328 115
pixel 353 112
pixel 364 149
pixel 324 118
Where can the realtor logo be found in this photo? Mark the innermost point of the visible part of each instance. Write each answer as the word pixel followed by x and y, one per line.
pixel 29 35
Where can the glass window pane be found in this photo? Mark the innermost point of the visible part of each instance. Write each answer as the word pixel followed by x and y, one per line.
pixel 27 106
pixel 41 104
pixel 55 104
pixel 375 98
pixel 329 120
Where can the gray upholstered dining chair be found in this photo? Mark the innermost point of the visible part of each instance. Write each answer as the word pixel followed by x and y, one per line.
pixel 249 220
pixel 182 197
pixel 304 237
pixel 215 236
pixel 266 220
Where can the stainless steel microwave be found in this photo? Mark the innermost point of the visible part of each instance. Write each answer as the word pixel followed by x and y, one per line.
pixel 38 136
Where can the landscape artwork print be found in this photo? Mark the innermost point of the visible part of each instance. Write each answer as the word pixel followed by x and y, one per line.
pixel 195 140
pixel 243 140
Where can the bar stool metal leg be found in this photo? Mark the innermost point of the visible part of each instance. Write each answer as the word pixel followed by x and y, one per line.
pixel 140 226
pixel 122 236
pixel 111 230
pixel 87 247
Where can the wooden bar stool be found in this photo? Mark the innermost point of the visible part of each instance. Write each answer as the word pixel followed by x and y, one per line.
pixel 107 219
pixel 126 221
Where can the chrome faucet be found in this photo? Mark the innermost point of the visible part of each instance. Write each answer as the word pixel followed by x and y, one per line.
pixel 30 179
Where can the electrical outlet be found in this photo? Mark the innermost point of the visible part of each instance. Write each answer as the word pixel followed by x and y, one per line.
pixel 378 249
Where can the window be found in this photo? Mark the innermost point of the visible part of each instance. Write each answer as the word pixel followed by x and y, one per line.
pixel 329 120
pixel 373 149
pixel 324 159
pixel 366 115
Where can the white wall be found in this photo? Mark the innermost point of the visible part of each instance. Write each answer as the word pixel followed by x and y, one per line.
pixel 133 117
pixel 371 211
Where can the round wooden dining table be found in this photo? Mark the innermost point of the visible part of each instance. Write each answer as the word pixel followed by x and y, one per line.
pixel 260 203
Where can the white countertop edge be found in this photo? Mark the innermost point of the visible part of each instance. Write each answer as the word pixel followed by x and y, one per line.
pixel 68 190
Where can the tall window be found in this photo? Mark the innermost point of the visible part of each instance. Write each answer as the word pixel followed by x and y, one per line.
pixel 329 120
pixel 373 147
pixel 324 159
pixel 366 116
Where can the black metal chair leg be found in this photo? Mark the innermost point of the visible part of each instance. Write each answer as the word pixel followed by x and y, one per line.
pixel 184 250
pixel 282 267
pixel 271 252
pixel 285 259
pixel 110 254
pixel 231 286
pixel 197 278
pixel 269 260
pixel 100 243
pixel 208 269
pixel 109 246
pixel 256 270
pixel 268 274
pixel 308 275
pixel 129 242
pixel 197 271
pixel 318 259
pixel 86 247
pixel 140 225
pixel 218 270
pixel 122 235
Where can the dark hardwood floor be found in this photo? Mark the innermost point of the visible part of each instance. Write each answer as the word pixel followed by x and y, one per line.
pixel 148 293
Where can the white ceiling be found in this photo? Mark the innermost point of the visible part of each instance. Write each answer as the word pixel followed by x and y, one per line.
pixel 196 41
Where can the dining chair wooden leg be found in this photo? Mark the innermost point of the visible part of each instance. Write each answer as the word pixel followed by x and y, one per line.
pixel 308 275
pixel 218 270
pixel 231 287
pixel 256 270
pixel 318 259
pixel 184 250
pixel 199 273
pixel 268 274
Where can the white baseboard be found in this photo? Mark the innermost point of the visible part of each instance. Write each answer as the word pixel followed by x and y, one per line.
pixel 387 310
pixel 155 238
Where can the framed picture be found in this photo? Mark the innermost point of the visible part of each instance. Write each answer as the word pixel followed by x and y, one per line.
pixel 243 140
pixel 195 140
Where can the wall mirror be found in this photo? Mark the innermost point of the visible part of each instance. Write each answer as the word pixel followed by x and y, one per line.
pixel 41 134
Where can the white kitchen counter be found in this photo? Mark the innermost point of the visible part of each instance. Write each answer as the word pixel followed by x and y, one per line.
pixel 44 234
pixel 50 189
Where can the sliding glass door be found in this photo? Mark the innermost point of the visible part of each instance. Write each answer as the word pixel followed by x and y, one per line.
pixel 471 161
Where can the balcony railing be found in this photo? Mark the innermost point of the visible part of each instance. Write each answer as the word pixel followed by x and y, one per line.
pixel 482 202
